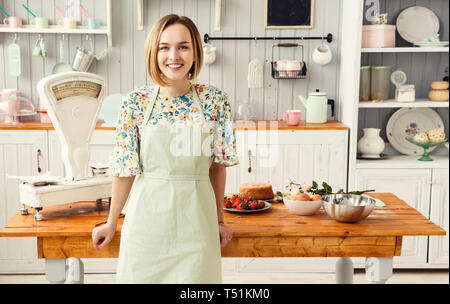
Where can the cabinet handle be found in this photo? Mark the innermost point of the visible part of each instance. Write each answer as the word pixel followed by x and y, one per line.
pixel 38 162
pixel 249 161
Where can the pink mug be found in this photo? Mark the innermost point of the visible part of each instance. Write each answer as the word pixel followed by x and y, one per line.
pixel 292 117
pixel 13 22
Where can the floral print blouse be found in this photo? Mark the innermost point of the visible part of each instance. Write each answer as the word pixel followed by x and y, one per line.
pixel 176 110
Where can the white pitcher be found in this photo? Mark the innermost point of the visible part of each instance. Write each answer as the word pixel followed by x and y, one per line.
pixel 371 145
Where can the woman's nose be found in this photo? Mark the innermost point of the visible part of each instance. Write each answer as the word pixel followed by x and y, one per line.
pixel 173 53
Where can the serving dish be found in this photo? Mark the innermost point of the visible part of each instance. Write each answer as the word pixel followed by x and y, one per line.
pixel 268 206
pixel 408 121
pixel 426 146
pixel 302 207
pixel 348 208
pixel 417 23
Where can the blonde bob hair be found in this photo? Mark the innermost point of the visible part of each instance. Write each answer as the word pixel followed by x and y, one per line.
pixel 152 45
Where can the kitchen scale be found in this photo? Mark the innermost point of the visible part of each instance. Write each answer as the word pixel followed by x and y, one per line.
pixel 73 101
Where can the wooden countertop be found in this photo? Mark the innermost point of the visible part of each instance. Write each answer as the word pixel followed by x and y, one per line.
pixel 238 125
pixel 395 219
pixel 276 232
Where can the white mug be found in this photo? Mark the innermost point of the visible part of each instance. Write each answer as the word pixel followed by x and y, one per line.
pixel 40 22
pixel 68 23
pixel 322 55
pixel 209 54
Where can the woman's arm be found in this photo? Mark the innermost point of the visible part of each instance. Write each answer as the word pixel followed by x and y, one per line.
pixel 217 175
pixel 121 187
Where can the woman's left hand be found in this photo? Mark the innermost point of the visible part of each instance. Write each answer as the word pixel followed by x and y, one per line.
pixel 226 234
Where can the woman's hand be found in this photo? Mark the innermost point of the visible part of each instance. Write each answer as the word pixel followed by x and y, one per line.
pixel 101 236
pixel 226 234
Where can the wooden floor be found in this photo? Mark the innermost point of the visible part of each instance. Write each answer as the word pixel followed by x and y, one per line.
pixel 399 277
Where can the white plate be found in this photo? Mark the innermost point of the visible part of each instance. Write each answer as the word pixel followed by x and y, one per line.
pixel 404 120
pixel 268 205
pixel 432 44
pixel 417 23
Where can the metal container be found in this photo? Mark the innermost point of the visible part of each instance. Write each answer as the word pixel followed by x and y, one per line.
pixel 348 207
pixel 82 60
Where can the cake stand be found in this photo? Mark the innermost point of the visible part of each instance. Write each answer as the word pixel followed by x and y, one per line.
pixel 425 146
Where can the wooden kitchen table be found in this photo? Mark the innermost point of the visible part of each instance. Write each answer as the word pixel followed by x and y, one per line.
pixel 64 236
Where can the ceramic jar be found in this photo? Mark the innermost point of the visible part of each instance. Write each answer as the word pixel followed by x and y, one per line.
pixel 371 145
pixel 322 55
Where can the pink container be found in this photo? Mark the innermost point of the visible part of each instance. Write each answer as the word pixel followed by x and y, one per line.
pixel 378 36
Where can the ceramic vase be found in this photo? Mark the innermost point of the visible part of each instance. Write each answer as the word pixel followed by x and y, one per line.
pixel 371 145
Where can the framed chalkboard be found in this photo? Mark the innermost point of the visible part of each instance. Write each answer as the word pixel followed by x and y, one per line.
pixel 289 14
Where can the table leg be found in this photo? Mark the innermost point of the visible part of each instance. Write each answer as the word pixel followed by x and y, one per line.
pixel 55 270
pixel 75 271
pixel 344 271
pixel 379 270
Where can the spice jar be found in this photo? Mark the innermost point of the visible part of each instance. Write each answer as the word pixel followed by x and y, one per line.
pixel 405 93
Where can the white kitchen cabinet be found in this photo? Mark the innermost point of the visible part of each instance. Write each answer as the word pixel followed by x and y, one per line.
pixel 415 187
pixel 439 214
pixel 22 153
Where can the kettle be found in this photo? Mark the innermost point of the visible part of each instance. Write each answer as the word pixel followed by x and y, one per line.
pixel 316 107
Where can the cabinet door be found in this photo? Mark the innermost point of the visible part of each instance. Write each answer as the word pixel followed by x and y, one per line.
pixel 303 156
pixel 19 157
pixel 411 186
pixel 439 214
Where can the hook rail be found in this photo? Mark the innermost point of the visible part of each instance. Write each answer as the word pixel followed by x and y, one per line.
pixel 328 38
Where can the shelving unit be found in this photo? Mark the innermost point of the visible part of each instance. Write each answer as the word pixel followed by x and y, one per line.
pixel 58 29
pixel 407 50
pixel 422 184
pixel 391 103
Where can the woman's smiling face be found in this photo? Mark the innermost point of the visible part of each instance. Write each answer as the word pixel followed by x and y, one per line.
pixel 175 52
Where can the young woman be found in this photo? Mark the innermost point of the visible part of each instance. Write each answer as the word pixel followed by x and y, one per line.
pixel 173 229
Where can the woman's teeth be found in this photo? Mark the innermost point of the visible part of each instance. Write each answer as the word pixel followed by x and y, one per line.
pixel 175 66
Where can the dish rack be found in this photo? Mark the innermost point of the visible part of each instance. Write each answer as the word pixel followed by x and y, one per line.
pixel 279 70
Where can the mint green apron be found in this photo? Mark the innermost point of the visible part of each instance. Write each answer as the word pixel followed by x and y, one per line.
pixel 170 232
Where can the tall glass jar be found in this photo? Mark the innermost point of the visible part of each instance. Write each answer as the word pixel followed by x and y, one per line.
pixel 380 82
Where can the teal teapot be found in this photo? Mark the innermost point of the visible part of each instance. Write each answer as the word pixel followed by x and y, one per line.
pixel 316 107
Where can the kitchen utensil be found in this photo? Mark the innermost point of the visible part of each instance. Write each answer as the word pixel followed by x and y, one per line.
pixel 432 44
pixel 292 117
pixel 322 55
pixel 379 82
pixel 364 83
pixel 13 22
pixel 268 206
pixel 244 111
pixel 417 23
pixel 316 107
pixel 301 207
pixel 209 52
pixel 7 15
pixel 348 208
pixel 371 145
pixel 61 66
pixel 408 121
pixel 14 60
pixel 82 60
pixel 110 109
pixel 83 11
pixel 426 146
pixel 382 156
pixel 31 13
pixel 255 74
pixel 59 12
pixel 288 69
pixel 40 22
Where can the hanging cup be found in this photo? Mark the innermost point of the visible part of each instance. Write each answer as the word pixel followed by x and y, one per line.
pixel 322 55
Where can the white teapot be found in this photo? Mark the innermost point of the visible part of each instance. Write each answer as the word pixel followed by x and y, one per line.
pixel 209 54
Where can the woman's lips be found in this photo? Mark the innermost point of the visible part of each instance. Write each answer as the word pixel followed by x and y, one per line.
pixel 175 67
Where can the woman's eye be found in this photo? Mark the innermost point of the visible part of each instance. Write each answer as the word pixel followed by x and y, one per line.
pixel 183 47
pixel 163 48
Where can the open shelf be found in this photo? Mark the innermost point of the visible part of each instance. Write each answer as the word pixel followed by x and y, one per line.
pixel 52 29
pixel 406 50
pixel 391 103
pixel 405 162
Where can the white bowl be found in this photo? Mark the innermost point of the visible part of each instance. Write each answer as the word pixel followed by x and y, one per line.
pixel 302 207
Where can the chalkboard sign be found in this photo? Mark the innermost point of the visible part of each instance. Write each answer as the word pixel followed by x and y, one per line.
pixel 289 14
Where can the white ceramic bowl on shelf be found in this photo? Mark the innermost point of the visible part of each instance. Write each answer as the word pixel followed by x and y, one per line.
pixel 302 207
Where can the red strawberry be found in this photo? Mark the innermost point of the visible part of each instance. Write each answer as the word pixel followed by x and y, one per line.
pixel 237 202
pixel 254 206
pixel 233 198
pixel 261 205
pixel 228 204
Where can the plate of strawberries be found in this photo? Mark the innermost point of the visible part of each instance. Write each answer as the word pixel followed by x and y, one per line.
pixel 240 204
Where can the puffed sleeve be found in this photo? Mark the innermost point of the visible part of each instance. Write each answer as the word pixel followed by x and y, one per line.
pixel 224 134
pixel 125 158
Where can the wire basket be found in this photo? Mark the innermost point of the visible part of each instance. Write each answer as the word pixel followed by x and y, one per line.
pixel 282 69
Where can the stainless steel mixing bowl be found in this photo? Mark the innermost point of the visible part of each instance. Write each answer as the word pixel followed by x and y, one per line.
pixel 348 207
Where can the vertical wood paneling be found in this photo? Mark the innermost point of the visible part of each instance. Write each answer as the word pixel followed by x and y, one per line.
pixel 124 67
